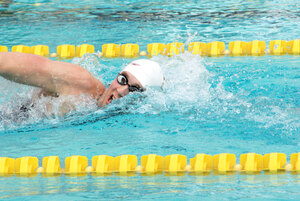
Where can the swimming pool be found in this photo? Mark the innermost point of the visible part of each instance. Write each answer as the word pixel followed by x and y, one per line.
pixel 209 104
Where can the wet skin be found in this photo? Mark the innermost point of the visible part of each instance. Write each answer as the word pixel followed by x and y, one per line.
pixel 116 91
pixel 56 78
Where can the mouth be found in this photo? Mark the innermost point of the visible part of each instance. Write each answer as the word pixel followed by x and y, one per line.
pixel 110 99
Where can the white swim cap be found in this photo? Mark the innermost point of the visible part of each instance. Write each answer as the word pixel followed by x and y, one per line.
pixel 147 72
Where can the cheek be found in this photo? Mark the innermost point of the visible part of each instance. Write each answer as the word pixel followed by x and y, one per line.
pixel 123 90
pixel 112 84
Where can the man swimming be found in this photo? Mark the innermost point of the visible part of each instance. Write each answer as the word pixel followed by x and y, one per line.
pixel 56 78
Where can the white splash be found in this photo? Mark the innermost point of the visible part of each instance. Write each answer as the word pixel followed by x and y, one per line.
pixel 189 89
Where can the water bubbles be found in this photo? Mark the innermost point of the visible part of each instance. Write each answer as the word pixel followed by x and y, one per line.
pixel 194 91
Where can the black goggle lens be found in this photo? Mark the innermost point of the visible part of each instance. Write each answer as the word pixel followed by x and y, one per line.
pixel 122 80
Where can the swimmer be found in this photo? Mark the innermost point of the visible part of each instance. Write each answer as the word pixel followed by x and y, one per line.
pixel 56 78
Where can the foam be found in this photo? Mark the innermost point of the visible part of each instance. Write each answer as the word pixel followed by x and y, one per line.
pixel 191 91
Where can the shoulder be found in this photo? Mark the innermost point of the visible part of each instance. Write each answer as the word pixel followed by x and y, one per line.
pixel 78 80
pixel 96 87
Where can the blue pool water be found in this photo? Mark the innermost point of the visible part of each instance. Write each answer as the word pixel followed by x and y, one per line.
pixel 208 105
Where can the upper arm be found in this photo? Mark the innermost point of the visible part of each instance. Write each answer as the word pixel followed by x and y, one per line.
pixel 52 76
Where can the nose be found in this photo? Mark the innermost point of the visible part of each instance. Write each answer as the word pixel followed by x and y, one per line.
pixel 123 90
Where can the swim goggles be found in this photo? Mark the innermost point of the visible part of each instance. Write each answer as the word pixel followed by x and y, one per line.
pixel 123 80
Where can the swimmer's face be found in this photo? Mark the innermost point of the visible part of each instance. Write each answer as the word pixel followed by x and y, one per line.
pixel 117 90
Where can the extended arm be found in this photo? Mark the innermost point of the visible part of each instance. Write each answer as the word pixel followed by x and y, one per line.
pixel 52 76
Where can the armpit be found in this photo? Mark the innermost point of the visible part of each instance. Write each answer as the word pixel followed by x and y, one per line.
pixel 47 93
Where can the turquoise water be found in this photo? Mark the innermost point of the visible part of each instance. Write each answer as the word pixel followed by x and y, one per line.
pixel 208 105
